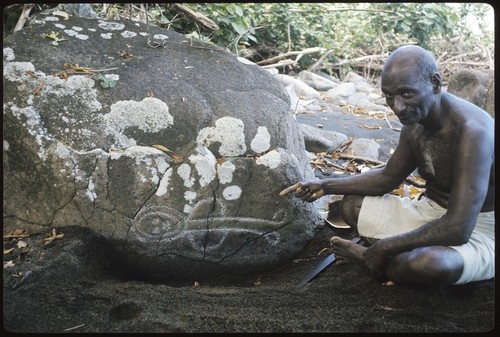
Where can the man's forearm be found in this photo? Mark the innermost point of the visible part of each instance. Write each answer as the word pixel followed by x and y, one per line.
pixel 369 183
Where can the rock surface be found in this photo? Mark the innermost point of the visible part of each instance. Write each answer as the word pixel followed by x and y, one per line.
pixel 475 86
pixel 173 150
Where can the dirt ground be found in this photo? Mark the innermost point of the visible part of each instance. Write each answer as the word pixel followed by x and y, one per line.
pixel 71 285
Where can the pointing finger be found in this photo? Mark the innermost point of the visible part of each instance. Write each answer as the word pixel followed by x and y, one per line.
pixel 290 189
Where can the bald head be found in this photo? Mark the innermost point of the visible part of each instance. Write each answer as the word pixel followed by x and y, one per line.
pixel 415 59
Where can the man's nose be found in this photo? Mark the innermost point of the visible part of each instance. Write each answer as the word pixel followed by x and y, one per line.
pixel 398 105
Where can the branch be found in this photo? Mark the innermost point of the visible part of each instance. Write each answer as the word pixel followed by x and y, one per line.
pixel 318 63
pixel 195 16
pixel 292 53
pixel 360 59
pixel 328 10
pixel 24 17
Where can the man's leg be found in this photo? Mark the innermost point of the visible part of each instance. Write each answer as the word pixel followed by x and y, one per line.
pixel 435 265
pixel 426 265
pixel 349 208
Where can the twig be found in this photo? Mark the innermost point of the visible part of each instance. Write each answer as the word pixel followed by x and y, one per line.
pixel 318 63
pixel 282 63
pixel 195 16
pixel 24 17
pixel 292 53
pixel 389 123
pixel 368 160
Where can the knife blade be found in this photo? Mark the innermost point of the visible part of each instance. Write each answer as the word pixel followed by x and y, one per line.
pixel 312 273
pixel 320 267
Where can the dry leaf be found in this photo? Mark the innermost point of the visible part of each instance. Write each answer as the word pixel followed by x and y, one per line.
pixel 62 14
pixel 7 264
pixel 196 283
pixel 40 87
pixel 258 282
pixel 52 236
pixel 21 244
pixel 17 233
pixel 177 159
pixel 371 127
pixel 162 148
pixel 7 251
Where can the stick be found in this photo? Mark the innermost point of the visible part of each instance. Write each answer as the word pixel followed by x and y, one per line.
pixel 24 17
pixel 292 53
pixel 368 160
pixel 195 16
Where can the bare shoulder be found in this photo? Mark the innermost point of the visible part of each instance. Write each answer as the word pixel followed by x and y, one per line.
pixel 470 117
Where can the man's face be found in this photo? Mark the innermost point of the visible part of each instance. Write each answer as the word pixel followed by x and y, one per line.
pixel 410 97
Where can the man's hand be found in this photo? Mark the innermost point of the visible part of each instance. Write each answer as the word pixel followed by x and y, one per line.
pixel 306 190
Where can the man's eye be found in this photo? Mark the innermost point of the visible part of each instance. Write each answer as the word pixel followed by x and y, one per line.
pixel 407 94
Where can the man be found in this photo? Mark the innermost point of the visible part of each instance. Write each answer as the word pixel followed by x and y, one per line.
pixel 447 236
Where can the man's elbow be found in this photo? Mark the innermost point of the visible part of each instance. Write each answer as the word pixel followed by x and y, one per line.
pixel 458 236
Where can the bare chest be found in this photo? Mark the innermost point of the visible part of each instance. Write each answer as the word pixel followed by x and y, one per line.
pixel 434 155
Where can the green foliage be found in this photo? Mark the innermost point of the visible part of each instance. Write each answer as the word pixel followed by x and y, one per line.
pixel 261 30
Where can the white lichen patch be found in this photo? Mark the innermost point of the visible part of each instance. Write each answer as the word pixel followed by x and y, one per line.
pixel 51 18
pixel 184 171
pixel 144 34
pixel 149 115
pixel 128 33
pixel 71 32
pixel 107 36
pixel 107 25
pixel 204 162
pixel 76 28
pixel 114 77
pixel 225 172
pixel 18 71
pixel 6 145
pixel 262 140
pixel 232 192
pixel 160 36
pixel 78 88
pixel 188 209
pixel 272 159
pixel 164 182
pixel 8 54
pixel 90 192
pixel 59 25
pixel 190 196
pixel 33 124
pixel 229 132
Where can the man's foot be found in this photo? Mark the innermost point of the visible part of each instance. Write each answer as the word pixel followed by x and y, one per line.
pixel 346 251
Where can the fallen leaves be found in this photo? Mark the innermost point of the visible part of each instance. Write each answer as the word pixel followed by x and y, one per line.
pixel 55 36
pixel 52 235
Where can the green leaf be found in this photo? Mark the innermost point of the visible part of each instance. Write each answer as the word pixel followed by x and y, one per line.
pixel 106 82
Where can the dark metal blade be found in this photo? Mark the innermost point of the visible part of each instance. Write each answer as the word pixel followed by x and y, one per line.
pixel 310 275
pixel 319 268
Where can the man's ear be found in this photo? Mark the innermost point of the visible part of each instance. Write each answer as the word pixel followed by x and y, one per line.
pixel 437 83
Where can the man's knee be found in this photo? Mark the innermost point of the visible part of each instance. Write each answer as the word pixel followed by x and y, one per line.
pixel 438 265
pixel 350 207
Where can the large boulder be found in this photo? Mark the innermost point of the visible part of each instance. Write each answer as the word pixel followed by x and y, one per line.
pixel 475 86
pixel 172 149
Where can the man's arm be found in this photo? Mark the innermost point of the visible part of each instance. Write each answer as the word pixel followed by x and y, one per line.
pixel 373 182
